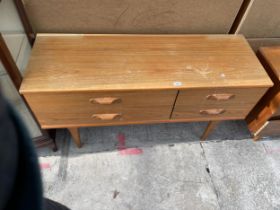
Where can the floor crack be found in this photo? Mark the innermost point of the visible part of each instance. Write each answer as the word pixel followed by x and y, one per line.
pixel 210 176
pixel 62 170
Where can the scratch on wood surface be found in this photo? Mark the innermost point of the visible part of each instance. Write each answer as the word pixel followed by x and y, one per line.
pixel 203 71
pixel 222 75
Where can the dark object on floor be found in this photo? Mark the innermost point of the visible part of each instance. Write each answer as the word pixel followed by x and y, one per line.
pixel 52 205
pixel 115 194
pixel 20 178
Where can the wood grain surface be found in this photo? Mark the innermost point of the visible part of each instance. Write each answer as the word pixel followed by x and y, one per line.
pixel 56 109
pixel 135 62
pixel 196 103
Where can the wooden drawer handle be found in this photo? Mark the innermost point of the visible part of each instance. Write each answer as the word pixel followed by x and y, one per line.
pixel 220 97
pixel 105 100
pixel 106 116
pixel 212 111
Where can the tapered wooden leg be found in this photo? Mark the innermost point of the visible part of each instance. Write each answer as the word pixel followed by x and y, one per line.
pixel 210 127
pixel 76 136
pixel 256 138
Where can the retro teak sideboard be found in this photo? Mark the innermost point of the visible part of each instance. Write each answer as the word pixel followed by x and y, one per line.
pixel 75 80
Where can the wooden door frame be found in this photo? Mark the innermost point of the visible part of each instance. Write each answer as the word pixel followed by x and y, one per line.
pixel 48 136
pixel 25 21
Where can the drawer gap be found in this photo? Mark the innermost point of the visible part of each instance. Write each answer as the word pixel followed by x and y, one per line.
pixel 174 104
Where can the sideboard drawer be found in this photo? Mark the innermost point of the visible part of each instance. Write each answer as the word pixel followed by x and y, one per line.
pixel 215 104
pixel 70 108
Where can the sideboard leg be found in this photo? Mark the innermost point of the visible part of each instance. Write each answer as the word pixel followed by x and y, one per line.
pixel 76 136
pixel 210 127
pixel 256 138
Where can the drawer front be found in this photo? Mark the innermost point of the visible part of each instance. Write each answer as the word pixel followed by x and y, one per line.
pixel 216 104
pixel 62 109
pixel 271 128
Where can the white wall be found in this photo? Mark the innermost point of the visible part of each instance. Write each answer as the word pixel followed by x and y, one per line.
pixel 16 40
pixel 9 19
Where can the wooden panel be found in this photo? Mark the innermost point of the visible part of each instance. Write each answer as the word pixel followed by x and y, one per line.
pixel 271 128
pixel 262 20
pixel 264 110
pixel 132 62
pixel 270 102
pixel 56 109
pixel 263 42
pixel 132 16
pixel 13 42
pixel 272 56
pixel 198 104
pixel 277 113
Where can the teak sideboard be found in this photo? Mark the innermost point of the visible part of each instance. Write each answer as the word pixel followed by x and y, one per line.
pixel 75 80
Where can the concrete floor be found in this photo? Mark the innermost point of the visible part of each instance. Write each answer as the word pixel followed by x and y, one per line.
pixel 163 167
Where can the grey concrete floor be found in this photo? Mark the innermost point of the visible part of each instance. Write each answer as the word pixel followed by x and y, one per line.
pixel 163 167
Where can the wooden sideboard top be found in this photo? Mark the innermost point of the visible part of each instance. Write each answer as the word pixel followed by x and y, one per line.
pixel 77 62
pixel 272 57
